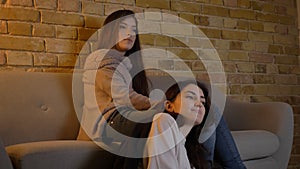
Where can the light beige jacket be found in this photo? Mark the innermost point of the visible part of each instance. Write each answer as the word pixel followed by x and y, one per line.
pixel 107 85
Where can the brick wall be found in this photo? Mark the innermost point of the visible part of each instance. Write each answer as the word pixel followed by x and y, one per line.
pixel 258 41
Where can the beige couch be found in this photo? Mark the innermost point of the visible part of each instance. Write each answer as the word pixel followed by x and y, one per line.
pixel 39 127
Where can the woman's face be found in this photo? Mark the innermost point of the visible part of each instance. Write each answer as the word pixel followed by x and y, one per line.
pixel 127 34
pixel 189 103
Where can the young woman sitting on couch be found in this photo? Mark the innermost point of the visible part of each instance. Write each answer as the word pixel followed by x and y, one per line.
pixel 188 103
pixel 121 90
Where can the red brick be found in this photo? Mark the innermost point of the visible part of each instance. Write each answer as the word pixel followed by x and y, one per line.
pixel 49 4
pixel 242 14
pixel 286 79
pixel 285 39
pixel 20 14
pixel 261 58
pixel 43 30
pixel 125 2
pixel 215 21
pixel 235 45
pixel 281 10
pixel 163 41
pixel 296 110
pixel 184 18
pixel 66 32
pixel 272 69
pixel 19 28
pixel 268 7
pixel 235 89
pixel 296 70
pixel 162 4
pixel 62 46
pixel 20 2
pixel 217 78
pixel 239 79
pixel 45 59
pixel 203 77
pixel 243 4
pixel 248 90
pixel 284 69
pixel 212 33
pixel 230 3
pixel 216 2
pixel 260 37
pixel 256 5
pixel 183 66
pixel 110 8
pixel 2 58
pixel 187 54
pixel 19 58
pixel 185 6
pixel 264 79
pixel 67 60
pixel 243 25
pixel 229 67
pixel 62 18
pixel 257 26
pixel 94 21
pixel 267 17
pixel 86 34
pixel 147 39
pixel 215 11
pixel 248 46
pixel 269 27
pixel 3 27
pixel 65 5
pixel 245 67
pixel 238 56
pixel 277 49
pixel 287 20
pixel 260 68
pixel 281 29
pixel 166 64
pixel 198 65
pixel 234 35
pixel 230 23
pixel 21 43
pixel 92 8
pixel 290 60
pixel 261 47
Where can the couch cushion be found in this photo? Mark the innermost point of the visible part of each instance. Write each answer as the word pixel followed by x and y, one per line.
pixel 4 159
pixel 254 144
pixel 264 163
pixel 60 155
pixel 36 107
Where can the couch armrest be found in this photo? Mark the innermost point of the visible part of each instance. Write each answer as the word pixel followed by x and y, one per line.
pixel 4 159
pixel 276 117
pixel 60 155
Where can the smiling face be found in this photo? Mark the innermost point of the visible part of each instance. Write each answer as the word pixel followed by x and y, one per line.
pixel 127 34
pixel 189 103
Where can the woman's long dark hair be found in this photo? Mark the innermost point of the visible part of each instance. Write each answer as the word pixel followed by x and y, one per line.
pixel 195 150
pixel 109 39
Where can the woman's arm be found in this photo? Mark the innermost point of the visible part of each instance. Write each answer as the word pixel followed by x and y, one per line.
pixel 114 84
pixel 165 145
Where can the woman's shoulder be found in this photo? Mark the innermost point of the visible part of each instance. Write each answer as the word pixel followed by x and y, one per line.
pixel 167 118
pixel 103 58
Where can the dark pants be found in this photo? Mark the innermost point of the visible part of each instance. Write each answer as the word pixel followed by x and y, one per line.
pixel 131 148
pixel 222 146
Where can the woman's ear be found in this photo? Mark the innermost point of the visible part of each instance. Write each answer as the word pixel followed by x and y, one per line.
pixel 169 106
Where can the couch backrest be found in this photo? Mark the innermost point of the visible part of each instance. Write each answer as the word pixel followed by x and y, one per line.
pixel 36 106
pixel 41 106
